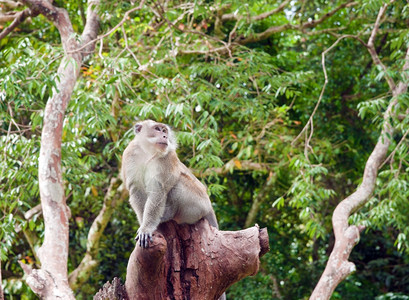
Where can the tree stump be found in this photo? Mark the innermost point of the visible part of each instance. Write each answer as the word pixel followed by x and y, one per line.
pixel 193 261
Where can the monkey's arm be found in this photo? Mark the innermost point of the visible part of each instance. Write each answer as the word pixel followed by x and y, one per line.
pixel 137 200
pixel 152 214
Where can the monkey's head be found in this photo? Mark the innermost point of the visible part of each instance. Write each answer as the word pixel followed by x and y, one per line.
pixel 156 137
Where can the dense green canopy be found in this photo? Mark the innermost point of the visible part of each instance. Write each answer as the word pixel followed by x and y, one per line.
pixel 238 81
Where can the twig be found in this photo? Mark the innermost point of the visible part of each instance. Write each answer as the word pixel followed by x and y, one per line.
pixel 371 46
pixel 314 23
pixel 309 123
pixel 127 46
pixel 114 196
pixel 101 46
pixel 327 30
pixel 394 150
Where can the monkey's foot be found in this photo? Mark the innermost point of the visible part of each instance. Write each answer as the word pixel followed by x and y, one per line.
pixel 144 238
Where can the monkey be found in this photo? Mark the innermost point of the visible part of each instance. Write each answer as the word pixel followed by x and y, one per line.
pixel 161 187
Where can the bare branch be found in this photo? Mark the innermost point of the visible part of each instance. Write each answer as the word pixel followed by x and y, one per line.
pixel 338 267
pixel 9 16
pixel 265 34
pixel 314 23
pixel 390 157
pixel 309 123
pixel 91 26
pixel 330 31
pixel 203 52
pixel 275 29
pixel 33 211
pixel 371 45
pixel 270 13
pixel 18 19
pixel 59 17
pixel 10 4
pixel 245 165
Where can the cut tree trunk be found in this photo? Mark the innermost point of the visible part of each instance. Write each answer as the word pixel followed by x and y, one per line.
pixel 192 262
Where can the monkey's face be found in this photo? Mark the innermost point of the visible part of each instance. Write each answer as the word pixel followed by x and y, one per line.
pixel 158 135
pixel 156 138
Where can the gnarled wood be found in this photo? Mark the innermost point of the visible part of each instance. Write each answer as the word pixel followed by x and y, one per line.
pixel 193 261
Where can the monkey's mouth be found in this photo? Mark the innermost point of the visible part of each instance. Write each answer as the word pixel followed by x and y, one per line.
pixel 162 143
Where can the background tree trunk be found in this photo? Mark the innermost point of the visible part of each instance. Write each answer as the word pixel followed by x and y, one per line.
pixel 347 236
pixel 51 280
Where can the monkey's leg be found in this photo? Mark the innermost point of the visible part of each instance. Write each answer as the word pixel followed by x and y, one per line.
pixel 169 213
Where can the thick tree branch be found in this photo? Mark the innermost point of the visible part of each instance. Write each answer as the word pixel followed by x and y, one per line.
pixel 51 281
pixel 113 198
pixel 264 35
pixel 258 200
pixel 275 29
pixel 18 18
pixel 245 165
pixel 91 27
pixel 338 267
pixel 10 4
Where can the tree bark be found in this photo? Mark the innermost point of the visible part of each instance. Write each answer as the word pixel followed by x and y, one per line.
pixel 51 281
pixel 347 236
pixel 193 261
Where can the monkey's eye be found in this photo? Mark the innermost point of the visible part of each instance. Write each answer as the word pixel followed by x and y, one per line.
pixel 157 128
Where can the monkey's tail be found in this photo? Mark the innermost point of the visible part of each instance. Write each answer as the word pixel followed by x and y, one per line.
pixel 211 218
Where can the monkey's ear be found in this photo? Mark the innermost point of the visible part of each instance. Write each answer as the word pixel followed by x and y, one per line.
pixel 137 128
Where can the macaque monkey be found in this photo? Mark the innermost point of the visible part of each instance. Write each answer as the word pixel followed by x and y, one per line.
pixel 161 187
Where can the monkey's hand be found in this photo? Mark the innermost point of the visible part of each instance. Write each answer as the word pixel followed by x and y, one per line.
pixel 144 237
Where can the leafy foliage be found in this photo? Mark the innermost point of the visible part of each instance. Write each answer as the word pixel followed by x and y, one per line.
pixel 237 113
